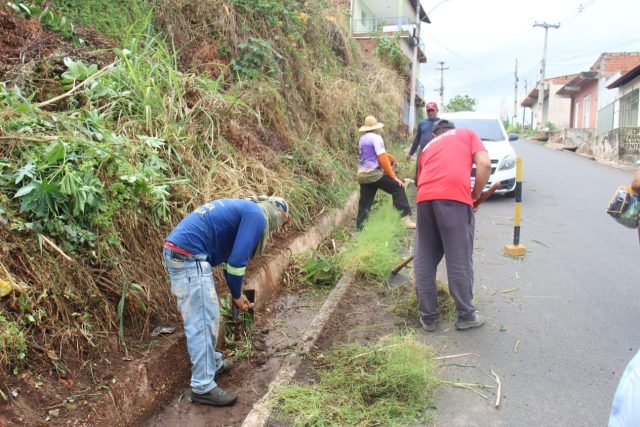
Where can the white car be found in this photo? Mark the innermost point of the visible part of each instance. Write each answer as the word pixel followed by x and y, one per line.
pixel 503 157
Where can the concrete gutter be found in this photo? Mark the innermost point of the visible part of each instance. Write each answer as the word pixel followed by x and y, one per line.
pixel 261 412
pixel 265 282
pixel 149 383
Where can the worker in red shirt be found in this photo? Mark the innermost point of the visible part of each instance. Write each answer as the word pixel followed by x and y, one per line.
pixel 446 220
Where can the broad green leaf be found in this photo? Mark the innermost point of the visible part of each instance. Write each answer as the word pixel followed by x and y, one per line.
pixel 24 190
pixel 27 170
pixel 55 153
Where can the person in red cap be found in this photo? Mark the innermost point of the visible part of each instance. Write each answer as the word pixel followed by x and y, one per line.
pixel 424 133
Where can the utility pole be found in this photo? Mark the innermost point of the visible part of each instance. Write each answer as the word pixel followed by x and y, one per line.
pixel 546 27
pixel 352 18
pixel 442 68
pixel 515 97
pixel 414 71
pixel 523 107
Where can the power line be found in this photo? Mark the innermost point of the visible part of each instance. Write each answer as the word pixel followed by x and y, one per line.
pixel 459 56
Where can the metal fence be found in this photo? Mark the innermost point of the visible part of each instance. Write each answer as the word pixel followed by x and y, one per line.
pixel 629 109
pixel 419 89
pixel 605 119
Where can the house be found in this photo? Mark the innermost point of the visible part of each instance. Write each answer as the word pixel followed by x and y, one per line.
pixel 605 100
pixel 373 19
pixel 626 105
pixel 623 138
pixel 588 92
pixel 556 110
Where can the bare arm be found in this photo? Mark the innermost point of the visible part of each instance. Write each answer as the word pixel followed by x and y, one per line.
pixel 635 184
pixel 483 172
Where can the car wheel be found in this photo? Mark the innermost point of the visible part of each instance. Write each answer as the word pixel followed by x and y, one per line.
pixel 510 194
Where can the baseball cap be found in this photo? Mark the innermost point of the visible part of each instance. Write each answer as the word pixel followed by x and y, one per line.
pixel 431 106
pixel 443 125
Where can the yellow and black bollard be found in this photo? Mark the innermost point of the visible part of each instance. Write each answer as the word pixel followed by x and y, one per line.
pixel 517 249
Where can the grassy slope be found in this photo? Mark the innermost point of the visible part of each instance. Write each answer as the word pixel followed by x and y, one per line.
pixel 218 98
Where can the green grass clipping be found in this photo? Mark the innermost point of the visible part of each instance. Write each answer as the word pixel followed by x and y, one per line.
pixel 375 250
pixel 390 383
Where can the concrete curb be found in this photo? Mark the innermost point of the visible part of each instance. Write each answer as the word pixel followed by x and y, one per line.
pixel 149 382
pixel 266 280
pixel 259 415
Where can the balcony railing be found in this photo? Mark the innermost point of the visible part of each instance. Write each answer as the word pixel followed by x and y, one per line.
pixel 391 24
pixel 419 89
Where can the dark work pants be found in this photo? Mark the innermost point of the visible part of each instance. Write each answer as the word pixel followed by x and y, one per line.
pixel 444 227
pixel 368 194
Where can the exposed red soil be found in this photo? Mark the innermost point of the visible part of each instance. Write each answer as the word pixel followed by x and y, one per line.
pixel 83 396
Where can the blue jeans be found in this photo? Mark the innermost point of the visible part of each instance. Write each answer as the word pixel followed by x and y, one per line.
pixel 192 284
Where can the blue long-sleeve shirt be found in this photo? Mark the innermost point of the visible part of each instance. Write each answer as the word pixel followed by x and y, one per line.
pixel 227 232
pixel 424 134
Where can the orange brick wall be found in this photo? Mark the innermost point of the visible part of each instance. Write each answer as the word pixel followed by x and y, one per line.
pixel 614 62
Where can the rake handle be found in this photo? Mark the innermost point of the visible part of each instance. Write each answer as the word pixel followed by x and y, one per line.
pixel 403 265
pixel 486 194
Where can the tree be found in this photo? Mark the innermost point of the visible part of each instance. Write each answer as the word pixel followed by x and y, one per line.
pixel 461 103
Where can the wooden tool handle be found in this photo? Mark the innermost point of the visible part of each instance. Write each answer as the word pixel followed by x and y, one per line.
pixel 486 194
pixel 401 266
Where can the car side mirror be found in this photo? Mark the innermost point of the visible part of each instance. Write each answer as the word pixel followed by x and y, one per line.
pixel 513 137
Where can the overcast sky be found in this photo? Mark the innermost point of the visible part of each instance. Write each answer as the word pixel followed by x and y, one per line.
pixel 479 42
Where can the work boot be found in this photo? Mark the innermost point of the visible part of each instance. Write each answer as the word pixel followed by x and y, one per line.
pixel 226 366
pixel 477 321
pixel 215 397
pixel 406 221
pixel 429 325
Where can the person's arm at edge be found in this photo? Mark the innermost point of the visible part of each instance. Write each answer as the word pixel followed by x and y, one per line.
pixel 483 172
pixel 635 183
pixel 414 144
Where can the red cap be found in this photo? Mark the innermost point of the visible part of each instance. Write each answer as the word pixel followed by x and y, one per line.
pixel 431 106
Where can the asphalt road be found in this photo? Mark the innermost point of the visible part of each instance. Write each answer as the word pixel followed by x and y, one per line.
pixel 563 321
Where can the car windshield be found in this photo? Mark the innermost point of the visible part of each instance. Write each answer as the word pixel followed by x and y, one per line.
pixel 487 129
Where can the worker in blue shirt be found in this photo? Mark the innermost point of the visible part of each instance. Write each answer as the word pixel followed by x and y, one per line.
pixel 424 132
pixel 225 232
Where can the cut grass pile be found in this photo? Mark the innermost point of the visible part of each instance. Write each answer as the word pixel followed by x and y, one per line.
pixel 390 384
pixel 375 250
pixel 404 303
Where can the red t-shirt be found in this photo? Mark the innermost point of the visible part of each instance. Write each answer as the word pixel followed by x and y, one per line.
pixel 444 169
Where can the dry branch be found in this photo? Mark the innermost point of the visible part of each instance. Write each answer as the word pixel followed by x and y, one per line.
pixel 497 379
pixel 455 355
pixel 25 138
pixel 54 247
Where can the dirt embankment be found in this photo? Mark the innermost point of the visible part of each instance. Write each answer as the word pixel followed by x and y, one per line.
pixel 266 135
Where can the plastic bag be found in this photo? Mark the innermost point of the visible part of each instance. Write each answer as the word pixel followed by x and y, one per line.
pixel 624 207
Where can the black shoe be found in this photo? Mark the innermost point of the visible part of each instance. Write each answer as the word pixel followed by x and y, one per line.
pixel 477 321
pixel 429 325
pixel 226 366
pixel 215 397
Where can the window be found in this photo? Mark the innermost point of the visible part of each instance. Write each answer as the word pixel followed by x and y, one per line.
pixel 487 129
pixel 586 112
pixel 629 109
pixel 576 118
